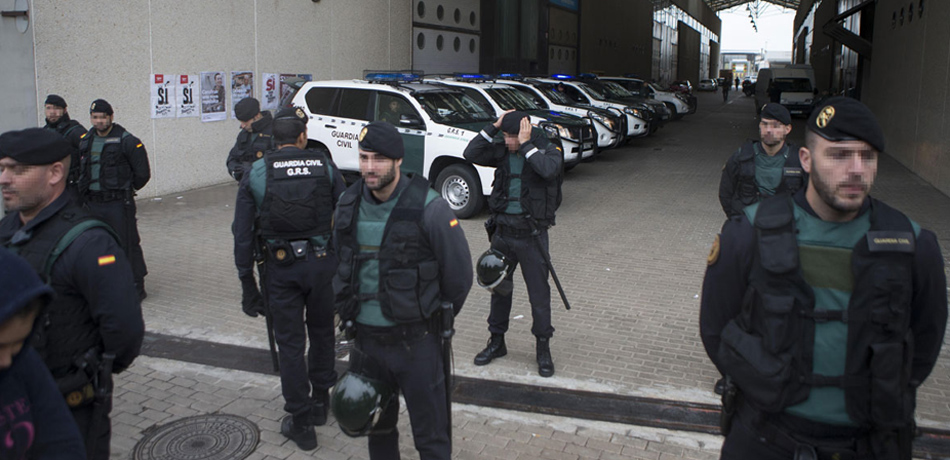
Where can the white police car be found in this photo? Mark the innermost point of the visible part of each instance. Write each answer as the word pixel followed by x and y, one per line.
pixel 609 123
pixel 436 123
pixel 576 133
pixel 679 104
pixel 638 115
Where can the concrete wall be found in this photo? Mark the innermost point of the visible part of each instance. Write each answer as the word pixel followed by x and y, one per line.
pixel 16 72
pixel 909 88
pixel 617 37
pixel 687 57
pixel 111 55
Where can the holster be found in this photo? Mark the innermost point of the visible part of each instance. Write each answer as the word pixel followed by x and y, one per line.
pixel 78 387
pixel 490 226
pixel 730 396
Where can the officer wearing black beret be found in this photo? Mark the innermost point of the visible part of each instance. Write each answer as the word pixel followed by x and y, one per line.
pixel 255 138
pixel 764 168
pixel 93 327
pixel 405 267
pixel 825 310
pixel 114 165
pixel 283 215
pixel 57 119
pixel 523 202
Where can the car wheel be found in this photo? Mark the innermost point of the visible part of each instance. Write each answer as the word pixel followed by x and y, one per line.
pixel 460 187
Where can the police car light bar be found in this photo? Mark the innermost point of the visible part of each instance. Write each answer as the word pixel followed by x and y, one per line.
pixel 562 76
pixel 511 76
pixel 393 76
pixel 472 76
pixel 587 75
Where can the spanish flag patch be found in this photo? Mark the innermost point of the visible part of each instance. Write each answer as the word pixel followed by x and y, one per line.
pixel 137 146
pixel 106 260
pixel 453 222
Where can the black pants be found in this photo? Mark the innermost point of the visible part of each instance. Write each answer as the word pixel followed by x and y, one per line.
pixel 415 368
pixel 120 215
pixel 101 434
pixel 300 298
pixel 746 441
pixel 524 251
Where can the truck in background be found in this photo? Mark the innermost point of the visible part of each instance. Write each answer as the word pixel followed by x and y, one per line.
pixel 795 85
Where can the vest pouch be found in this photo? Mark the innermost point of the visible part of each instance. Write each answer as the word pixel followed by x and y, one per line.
pixel 779 325
pixel 887 405
pixel 748 192
pixel 429 298
pixel 108 172
pixel 778 252
pixel 891 297
pixel 401 290
pixel 344 301
pixel 765 379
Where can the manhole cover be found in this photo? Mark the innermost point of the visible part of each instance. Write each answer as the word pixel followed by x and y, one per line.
pixel 203 437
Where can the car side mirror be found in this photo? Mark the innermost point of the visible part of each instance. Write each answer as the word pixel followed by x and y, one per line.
pixel 411 121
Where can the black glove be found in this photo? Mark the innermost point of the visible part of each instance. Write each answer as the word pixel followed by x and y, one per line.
pixel 251 300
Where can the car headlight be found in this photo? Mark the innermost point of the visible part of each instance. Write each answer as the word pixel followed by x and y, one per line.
pixel 551 132
pixel 563 131
pixel 635 112
pixel 608 122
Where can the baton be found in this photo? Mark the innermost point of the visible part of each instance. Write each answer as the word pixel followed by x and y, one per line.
pixel 536 232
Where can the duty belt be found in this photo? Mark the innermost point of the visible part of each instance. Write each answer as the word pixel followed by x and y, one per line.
pixel 848 443
pixel 288 251
pixel 108 195
pixel 400 333
pixel 513 232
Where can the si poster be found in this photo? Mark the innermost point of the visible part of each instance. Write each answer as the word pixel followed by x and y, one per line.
pixel 269 92
pixel 187 90
pixel 163 95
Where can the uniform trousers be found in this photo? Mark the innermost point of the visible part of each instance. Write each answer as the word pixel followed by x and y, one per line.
pixel 414 367
pixel 120 215
pixel 300 298
pixel 101 433
pixel 523 249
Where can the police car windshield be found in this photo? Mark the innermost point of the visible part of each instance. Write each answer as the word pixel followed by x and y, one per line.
pixel 593 92
pixel 616 91
pixel 510 98
pixel 452 107
pixel 556 96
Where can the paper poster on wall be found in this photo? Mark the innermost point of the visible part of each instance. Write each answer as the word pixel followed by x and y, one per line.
pixel 269 91
pixel 186 91
pixel 242 86
pixel 163 95
pixel 213 96
pixel 286 90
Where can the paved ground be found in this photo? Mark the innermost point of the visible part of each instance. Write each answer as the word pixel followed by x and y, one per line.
pixel 630 248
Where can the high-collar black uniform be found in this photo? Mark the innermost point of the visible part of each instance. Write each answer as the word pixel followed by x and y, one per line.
pixel 72 130
pixel 250 146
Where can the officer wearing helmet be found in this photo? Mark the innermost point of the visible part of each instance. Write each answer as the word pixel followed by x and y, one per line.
pixel 285 206
pixel 403 255
pixel 826 309
pixel 523 202
pixel 255 138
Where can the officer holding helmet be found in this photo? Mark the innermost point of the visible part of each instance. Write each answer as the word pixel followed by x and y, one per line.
pixel 255 138
pixel 285 205
pixel 825 309
pixel 524 199
pixel 405 269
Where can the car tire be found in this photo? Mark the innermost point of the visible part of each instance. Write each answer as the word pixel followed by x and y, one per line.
pixel 459 186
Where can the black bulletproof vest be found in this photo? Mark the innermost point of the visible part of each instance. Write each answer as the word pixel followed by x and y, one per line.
pixel 539 198
pixel 408 270
pixel 115 171
pixel 297 200
pixel 768 348
pixel 254 145
pixel 66 127
pixel 747 192
pixel 65 330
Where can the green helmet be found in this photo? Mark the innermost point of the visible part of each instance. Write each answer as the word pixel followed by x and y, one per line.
pixel 358 402
pixel 492 270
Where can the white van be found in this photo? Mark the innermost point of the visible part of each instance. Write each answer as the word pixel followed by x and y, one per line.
pixel 795 84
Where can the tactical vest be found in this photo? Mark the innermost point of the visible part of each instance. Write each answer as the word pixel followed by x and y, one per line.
pixel 115 171
pixel 254 145
pixel 296 200
pixel 408 270
pixel 768 348
pixel 539 198
pixel 66 329
pixel 65 128
pixel 747 192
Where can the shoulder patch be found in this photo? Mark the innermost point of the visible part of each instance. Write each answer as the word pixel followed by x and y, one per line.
pixel 713 256
pixel 107 260
pixel 453 222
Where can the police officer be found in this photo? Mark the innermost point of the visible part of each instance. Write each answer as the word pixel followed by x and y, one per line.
pixel 94 325
pixel 291 193
pixel 57 119
pixel 764 168
pixel 526 194
pixel 114 165
pixel 402 255
pixel 827 309
pixel 254 139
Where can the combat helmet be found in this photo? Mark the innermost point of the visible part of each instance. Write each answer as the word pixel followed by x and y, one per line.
pixel 492 271
pixel 358 402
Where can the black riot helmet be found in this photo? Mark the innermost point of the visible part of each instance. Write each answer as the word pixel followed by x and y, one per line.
pixel 492 272
pixel 358 402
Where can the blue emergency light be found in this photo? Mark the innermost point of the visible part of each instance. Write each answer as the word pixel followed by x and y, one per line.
pixel 510 76
pixel 562 76
pixel 472 76
pixel 383 77
pixel 587 75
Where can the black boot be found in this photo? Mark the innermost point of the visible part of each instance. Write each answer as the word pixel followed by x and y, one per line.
pixel 545 363
pixel 299 430
pixel 319 407
pixel 496 349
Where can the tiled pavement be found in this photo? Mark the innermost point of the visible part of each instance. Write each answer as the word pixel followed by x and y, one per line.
pixel 630 247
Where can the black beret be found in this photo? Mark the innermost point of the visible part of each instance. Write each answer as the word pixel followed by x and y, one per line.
pixel 247 108
pixel 34 146
pixel 101 106
pixel 382 138
pixel 511 124
pixel 291 113
pixel 777 112
pixel 56 100
pixel 846 119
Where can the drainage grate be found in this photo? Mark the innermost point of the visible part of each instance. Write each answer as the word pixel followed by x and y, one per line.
pixel 203 437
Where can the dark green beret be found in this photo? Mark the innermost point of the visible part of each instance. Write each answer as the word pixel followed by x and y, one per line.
pixel 846 119
pixel 247 108
pixel 101 106
pixel 777 112
pixel 34 146
pixel 291 114
pixel 382 138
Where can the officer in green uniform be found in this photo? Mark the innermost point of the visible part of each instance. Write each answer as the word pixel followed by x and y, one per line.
pixel 285 203
pixel 827 309
pixel 762 169
pixel 57 119
pixel 402 255
pixel 114 165
pixel 93 327
pixel 255 138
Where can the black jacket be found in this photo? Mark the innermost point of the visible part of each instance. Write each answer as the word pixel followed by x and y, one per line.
pixel 124 161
